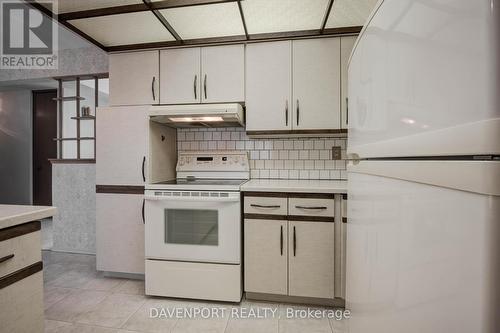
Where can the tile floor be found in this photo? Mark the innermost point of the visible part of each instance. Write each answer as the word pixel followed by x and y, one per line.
pixel 78 299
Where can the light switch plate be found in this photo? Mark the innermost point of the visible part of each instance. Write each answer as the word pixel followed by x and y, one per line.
pixel 336 153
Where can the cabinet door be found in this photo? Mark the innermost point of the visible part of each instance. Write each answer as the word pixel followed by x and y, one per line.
pixel 120 233
pixel 134 78
pixel 346 45
pixel 269 86
pixel 122 145
pixel 265 256
pixel 180 79
pixel 316 83
pixel 223 74
pixel 311 259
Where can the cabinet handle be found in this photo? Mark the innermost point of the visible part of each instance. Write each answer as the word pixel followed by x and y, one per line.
pixel 286 113
pixel 298 112
pixel 265 206
pixel 142 211
pixel 205 86
pixel 294 242
pixel 195 85
pixel 153 87
pixel 281 240
pixel 8 257
pixel 143 174
pixel 347 111
pixel 311 207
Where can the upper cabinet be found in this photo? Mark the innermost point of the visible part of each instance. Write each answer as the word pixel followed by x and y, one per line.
pixel 346 46
pixel 134 78
pixel 316 84
pixel 269 86
pixel 294 86
pixel 223 71
pixel 180 78
pixel 207 75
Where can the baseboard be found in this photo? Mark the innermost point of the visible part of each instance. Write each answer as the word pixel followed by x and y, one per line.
pixel 335 302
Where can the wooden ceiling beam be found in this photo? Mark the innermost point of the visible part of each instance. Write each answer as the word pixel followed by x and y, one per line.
pixel 163 20
pixel 327 15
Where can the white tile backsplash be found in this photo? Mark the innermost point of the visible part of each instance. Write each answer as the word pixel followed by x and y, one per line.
pixel 296 158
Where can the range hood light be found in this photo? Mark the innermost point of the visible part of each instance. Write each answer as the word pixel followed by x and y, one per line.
pixel 194 119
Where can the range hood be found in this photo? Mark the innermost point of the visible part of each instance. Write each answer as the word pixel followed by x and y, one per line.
pixel 198 115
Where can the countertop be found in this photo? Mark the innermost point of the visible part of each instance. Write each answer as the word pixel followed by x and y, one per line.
pixel 295 185
pixel 11 215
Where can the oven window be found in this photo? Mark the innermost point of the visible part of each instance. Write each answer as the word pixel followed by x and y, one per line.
pixel 191 226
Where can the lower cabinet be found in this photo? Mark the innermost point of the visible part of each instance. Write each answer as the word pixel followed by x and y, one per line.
pixel 120 214
pixel 311 259
pixel 294 258
pixel 266 256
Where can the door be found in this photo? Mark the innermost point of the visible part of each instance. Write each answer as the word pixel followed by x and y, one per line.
pixel 121 151
pixel 180 79
pixel 223 73
pixel 266 254
pixel 316 83
pixel 120 233
pixel 346 45
pixel 269 86
pixel 134 78
pixel 311 259
pixel 193 226
pixel 44 146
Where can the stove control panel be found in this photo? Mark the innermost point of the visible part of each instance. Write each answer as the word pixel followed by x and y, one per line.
pixel 213 161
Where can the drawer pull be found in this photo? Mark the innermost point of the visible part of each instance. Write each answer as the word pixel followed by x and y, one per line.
pixel 313 207
pixel 265 206
pixel 10 256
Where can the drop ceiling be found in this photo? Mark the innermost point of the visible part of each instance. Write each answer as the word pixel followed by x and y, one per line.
pixel 116 25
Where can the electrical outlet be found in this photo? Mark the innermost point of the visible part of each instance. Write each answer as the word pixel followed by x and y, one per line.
pixel 336 153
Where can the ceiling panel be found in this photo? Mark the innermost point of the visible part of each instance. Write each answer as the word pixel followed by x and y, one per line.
pixel 216 20
pixel 350 13
pixel 123 29
pixel 66 6
pixel 264 16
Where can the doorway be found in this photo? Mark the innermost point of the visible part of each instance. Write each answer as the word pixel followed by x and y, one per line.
pixel 44 145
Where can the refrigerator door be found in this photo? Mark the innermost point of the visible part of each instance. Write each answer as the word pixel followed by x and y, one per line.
pixel 423 80
pixel 423 254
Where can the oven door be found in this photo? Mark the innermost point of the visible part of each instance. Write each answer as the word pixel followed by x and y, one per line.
pixel 198 226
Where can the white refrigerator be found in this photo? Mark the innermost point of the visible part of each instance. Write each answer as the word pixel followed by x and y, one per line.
pixel 423 235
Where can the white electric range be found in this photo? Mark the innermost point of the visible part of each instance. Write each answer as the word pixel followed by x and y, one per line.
pixel 193 228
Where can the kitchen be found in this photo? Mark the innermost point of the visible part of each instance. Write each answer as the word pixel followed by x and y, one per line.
pixel 263 171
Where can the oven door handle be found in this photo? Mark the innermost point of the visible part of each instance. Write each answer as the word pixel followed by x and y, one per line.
pixel 215 199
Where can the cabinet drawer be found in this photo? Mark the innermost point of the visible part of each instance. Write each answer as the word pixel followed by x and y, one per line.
pixel 22 305
pixel 265 205
pixel 311 207
pixel 26 251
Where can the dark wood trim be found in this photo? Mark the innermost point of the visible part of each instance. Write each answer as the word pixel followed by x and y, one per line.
pixel 119 189
pixel 19 230
pixel 72 161
pixel 265 217
pixel 20 274
pixel 162 20
pixel 344 196
pixel 327 15
pixel 311 195
pixel 344 220
pixel 266 194
pixel 281 132
pixel 166 4
pixel 74 139
pixel 243 19
pixel 239 39
pixel 82 77
pixel 78 117
pixel 59 119
pixel 308 218
pixel 124 9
